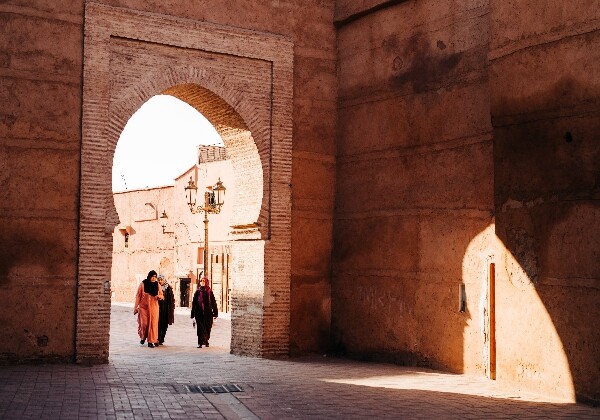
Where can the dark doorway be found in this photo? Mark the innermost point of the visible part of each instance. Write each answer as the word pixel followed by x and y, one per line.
pixel 184 296
pixel 219 275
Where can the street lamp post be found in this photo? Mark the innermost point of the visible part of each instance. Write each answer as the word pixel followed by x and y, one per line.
pixel 214 198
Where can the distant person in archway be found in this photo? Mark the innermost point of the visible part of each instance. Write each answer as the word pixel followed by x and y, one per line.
pixel 204 309
pixel 146 307
pixel 166 309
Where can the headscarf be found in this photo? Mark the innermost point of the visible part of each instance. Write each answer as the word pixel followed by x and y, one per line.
pixel 202 291
pixel 165 284
pixel 206 284
pixel 151 287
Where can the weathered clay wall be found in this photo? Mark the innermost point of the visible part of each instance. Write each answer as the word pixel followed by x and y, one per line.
pixel 545 106
pixel 414 182
pixel 424 202
pixel 41 131
pixel 40 135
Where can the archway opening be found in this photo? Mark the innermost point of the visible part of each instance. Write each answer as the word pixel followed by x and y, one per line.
pixel 163 145
pixel 235 252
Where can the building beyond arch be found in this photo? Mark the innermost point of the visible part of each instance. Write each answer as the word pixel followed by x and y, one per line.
pixel 158 231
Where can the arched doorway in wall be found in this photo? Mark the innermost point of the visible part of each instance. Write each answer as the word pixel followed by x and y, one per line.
pixel 164 144
pixel 242 82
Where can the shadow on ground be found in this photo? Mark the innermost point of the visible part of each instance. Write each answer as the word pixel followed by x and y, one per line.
pixel 139 382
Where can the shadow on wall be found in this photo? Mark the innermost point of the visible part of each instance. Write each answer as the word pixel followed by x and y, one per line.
pixel 395 277
pixel 390 304
pixel 38 284
pixel 398 258
pixel 548 216
pixel 420 68
pixel 32 254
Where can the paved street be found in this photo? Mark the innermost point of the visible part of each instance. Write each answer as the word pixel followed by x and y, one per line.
pixel 167 382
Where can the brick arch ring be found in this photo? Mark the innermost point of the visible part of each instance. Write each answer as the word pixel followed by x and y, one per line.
pixel 250 141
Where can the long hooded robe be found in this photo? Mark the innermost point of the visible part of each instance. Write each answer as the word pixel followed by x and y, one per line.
pixel 204 309
pixel 146 301
pixel 166 311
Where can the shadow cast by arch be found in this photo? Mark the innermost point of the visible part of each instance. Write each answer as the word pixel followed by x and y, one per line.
pixel 548 216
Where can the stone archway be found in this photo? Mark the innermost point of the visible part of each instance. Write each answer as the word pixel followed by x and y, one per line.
pixel 242 82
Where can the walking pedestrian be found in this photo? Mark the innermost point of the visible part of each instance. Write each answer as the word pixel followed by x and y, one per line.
pixel 166 309
pixel 204 309
pixel 146 307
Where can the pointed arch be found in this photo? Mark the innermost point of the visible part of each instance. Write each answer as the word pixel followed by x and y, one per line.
pixel 254 118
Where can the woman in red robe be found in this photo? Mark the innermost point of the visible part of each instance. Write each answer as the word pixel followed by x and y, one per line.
pixel 146 308
pixel 204 309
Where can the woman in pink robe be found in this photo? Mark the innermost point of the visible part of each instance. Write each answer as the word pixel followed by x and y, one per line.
pixel 146 308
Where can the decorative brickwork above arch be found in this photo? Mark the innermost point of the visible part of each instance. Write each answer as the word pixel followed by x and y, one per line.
pixel 242 82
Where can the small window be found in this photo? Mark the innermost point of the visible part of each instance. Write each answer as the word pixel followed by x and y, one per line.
pixel 126 240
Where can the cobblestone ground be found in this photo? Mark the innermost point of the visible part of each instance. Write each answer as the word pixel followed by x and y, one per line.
pixel 144 383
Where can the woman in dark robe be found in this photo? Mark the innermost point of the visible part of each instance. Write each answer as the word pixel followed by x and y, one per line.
pixel 166 309
pixel 204 309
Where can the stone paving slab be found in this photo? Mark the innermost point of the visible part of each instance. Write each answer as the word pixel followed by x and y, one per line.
pixel 144 383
